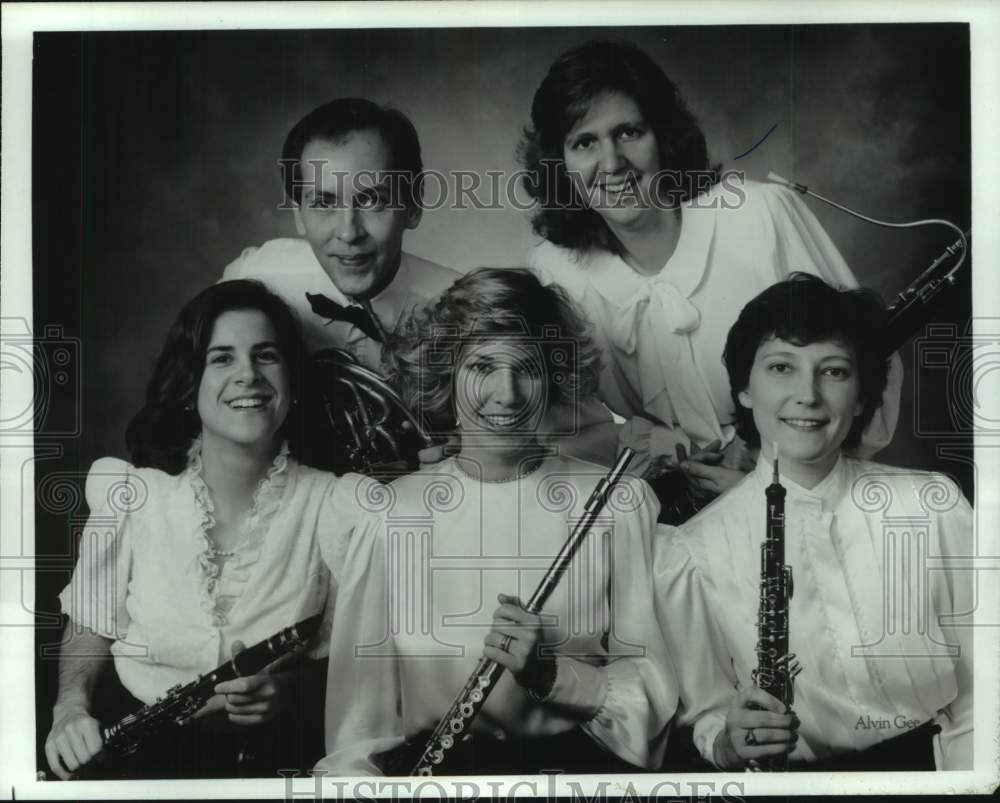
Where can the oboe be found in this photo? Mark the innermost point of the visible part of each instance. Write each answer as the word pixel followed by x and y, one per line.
pixel 775 672
pixel 473 696
pixel 180 702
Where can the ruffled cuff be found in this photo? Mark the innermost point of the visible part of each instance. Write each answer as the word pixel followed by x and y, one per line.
pixel 613 724
pixel 706 730
pixel 580 689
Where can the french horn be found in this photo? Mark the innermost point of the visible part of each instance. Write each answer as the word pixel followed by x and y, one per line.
pixel 355 421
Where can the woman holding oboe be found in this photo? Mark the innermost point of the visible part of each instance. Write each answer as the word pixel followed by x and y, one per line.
pixel 587 686
pixel 886 660
pixel 212 537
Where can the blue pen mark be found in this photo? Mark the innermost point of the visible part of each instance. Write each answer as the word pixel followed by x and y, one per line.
pixel 769 132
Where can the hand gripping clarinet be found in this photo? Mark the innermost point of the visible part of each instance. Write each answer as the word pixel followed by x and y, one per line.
pixel 473 696
pixel 776 668
pixel 180 702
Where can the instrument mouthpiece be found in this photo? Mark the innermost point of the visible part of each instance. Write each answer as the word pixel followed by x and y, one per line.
pixel 774 178
pixel 775 479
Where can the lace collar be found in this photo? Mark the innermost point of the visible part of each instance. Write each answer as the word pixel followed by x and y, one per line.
pixel 231 567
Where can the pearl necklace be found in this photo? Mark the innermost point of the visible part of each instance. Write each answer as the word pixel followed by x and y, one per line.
pixel 524 471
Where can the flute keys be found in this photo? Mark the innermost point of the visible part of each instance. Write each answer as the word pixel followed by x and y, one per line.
pixel 467 710
pixel 476 696
pixel 447 741
pixel 437 757
pixel 457 725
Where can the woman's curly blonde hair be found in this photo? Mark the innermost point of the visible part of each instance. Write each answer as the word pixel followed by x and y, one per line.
pixel 484 306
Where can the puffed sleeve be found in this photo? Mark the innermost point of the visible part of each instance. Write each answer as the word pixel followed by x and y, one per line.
pixel 95 596
pixel 363 696
pixel 237 269
pixel 801 244
pixel 344 507
pixel 701 660
pixel 954 746
pixel 349 499
pixel 626 704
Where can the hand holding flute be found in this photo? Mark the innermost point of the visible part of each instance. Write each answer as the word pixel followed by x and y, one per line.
pixel 514 643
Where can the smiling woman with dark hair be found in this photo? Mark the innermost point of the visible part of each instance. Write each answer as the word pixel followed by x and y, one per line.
pixel 877 690
pixel 660 251
pixel 213 539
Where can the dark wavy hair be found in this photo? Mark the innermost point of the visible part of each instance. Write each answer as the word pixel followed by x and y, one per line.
pixel 487 305
pixel 804 309
pixel 334 121
pixel 563 98
pixel 161 433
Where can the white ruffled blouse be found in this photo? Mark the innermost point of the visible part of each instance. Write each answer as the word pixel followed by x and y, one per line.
pixel 880 616
pixel 150 578
pixel 422 584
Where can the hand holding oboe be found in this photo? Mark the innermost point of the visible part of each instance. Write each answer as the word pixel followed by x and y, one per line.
pixel 759 727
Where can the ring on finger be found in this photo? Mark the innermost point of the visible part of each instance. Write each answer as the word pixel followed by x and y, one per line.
pixel 505 642
pixel 750 738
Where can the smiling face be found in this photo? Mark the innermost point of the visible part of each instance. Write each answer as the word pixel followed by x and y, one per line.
pixel 804 399
pixel 612 156
pixel 500 396
pixel 244 394
pixel 346 212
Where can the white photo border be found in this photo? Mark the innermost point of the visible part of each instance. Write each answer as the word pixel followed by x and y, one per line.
pixel 17 752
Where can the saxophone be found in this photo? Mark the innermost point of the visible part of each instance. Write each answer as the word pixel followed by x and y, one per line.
pixel 180 702
pixel 776 668
pixel 456 723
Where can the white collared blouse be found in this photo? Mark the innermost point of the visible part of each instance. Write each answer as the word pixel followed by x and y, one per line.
pixel 663 335
pixel 880 616
pixel 422 584
pixel 149 578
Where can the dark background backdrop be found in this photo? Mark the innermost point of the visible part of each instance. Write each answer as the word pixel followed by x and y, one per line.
pixel 155 163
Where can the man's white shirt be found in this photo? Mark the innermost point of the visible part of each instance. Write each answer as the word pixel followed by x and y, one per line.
pixel 290 269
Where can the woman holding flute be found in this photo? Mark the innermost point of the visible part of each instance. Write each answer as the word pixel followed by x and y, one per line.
pixel 588 687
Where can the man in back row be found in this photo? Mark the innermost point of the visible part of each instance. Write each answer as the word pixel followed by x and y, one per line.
pixel 353 173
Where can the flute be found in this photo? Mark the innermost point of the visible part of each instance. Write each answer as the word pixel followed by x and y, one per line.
pixel 484 679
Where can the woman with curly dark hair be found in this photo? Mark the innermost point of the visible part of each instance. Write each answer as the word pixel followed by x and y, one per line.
pixel 589 688
pixel 660 251
pixel 211 539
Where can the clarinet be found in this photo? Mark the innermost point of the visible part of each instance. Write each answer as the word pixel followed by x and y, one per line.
pixel 776 669
pixel 488 672
pixel 180 702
